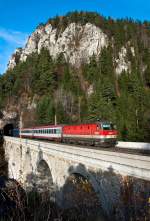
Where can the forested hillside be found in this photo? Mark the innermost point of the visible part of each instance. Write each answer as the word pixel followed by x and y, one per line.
pixel 94 90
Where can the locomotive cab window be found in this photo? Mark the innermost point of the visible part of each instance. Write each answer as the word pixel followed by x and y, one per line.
pixel 107 126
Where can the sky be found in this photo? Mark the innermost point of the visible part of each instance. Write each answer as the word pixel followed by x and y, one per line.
pixel 19 18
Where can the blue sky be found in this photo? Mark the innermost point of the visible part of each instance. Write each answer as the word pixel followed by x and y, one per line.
pixel 19 18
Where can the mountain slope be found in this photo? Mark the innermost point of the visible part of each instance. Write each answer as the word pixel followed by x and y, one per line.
pixel 82 67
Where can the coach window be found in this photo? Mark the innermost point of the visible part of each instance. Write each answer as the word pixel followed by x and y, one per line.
pixel 58 131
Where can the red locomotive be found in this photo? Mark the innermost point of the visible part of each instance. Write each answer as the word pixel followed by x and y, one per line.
pixel 96 134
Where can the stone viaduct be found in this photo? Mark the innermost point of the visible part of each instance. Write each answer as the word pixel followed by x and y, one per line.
pixel 39 163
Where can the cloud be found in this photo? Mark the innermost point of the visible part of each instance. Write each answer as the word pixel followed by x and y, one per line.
pixel 9 41
pixel 11 36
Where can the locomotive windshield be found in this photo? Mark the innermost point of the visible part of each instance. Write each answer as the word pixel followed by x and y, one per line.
pixel 107 126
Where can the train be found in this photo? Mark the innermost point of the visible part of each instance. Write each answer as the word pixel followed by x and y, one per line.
pixel 102 134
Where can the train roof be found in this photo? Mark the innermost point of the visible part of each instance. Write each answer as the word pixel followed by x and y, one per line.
pixel 41 127
pixel 62 125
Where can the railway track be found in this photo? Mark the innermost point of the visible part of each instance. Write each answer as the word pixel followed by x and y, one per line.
pixel 108 149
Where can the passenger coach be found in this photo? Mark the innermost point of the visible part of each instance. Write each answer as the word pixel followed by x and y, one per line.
pixel 50 132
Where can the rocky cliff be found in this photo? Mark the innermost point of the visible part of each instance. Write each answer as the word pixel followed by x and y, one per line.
pixel 77 42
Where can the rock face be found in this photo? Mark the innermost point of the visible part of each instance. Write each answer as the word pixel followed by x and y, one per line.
pixel 78 43
pixel 15 58
pixel 122 63
pixel 8 117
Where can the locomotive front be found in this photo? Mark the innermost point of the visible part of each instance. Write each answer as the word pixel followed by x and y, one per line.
pixel 108 133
